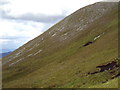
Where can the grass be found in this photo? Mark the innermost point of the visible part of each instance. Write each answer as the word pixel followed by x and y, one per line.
pixel 110 84
pixel 66 63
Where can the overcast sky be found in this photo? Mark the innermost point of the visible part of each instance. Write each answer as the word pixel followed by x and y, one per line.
pixel 23 20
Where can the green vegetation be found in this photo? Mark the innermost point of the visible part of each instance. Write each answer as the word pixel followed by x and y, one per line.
pixel 63 61
pixel 109 84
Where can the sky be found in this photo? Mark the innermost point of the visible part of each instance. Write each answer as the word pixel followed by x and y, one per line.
pixel 23 20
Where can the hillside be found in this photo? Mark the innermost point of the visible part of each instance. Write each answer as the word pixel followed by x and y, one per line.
pixel 80 51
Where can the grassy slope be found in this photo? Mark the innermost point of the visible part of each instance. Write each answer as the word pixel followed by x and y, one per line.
pixel 66 64
pixel 109 84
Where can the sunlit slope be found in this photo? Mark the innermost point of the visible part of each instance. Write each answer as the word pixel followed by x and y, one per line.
pixel 68 53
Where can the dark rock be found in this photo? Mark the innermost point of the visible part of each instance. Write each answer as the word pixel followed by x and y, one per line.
pixel 108 66
pixel 88 43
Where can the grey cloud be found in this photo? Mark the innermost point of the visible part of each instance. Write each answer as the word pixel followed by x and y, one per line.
pixel 33 17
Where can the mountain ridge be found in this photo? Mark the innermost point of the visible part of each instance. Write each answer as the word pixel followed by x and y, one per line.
pixel 55 53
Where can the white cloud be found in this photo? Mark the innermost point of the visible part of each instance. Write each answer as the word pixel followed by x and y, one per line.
pixel 15 29
pixel 17 33
pixel 48 7
pixel 24 29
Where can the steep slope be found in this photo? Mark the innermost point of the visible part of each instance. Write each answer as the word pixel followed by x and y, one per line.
pixel 68 54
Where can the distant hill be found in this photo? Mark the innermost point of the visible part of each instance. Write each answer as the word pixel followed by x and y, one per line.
pixel 80 51
pixel 4 54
